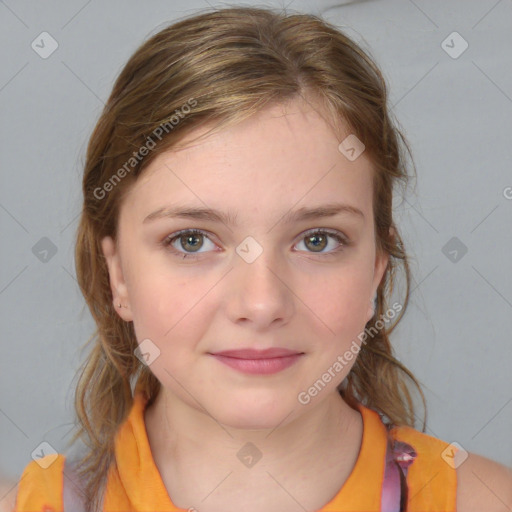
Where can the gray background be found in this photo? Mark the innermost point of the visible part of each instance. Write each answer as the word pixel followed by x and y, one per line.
pixel 456 113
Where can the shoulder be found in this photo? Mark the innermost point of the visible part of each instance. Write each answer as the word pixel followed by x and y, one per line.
pixel 40 485
pixel 479 483
pixel 483 484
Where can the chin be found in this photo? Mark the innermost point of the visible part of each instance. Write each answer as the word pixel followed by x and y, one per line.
pixel 252 417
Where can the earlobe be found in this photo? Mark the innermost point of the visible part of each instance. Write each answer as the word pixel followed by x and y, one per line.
pixel 118 287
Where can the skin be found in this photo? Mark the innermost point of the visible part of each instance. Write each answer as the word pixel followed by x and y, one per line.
pixel 483 484
pixel 284 158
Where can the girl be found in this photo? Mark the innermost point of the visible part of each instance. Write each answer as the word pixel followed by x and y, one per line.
pixel 238 252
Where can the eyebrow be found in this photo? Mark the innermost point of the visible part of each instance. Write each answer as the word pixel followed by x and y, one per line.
pixel 228 218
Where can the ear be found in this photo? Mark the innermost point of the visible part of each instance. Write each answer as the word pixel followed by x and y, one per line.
pixel 381 262
pixel 117 281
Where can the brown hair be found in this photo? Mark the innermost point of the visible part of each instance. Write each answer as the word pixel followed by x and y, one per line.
pixel 228 64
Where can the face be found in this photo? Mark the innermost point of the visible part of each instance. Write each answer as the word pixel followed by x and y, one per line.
pixel 263 275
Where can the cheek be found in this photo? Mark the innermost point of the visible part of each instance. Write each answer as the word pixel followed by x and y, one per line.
pixel 342 304
pixel 169 307
pixel 342 307
pixel 157 303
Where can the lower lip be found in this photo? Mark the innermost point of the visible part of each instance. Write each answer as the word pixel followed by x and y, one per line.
pixel 259 366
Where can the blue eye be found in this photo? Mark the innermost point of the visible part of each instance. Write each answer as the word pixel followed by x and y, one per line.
pixel 193 238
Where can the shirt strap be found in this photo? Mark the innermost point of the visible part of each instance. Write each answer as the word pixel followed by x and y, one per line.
pixel 399 456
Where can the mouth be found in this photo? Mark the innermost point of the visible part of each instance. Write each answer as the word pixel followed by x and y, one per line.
pixel 262 362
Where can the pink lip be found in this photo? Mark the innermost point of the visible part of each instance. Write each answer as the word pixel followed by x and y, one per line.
pixel 261 362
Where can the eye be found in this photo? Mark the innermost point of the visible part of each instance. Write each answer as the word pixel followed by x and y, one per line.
pixel 188 240
pixel 316 240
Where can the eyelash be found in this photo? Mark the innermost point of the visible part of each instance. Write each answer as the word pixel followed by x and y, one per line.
pixel 167 241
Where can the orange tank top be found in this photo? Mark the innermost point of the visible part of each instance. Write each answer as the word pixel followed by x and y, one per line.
pixel 134 482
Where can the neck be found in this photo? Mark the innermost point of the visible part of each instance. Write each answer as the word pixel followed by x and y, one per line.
pixel 300 456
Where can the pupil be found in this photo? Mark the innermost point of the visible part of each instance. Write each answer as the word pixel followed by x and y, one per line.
pixel 189 241
pixel 320 240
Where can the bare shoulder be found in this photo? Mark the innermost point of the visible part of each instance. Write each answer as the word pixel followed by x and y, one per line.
pixel 483 484
pixel 7 495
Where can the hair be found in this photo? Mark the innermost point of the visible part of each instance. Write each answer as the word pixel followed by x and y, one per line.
pixel 229 64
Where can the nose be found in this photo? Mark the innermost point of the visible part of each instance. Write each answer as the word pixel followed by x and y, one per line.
pixel 258 291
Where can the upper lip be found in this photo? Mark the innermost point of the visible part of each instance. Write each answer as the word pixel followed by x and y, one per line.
pixel 250 353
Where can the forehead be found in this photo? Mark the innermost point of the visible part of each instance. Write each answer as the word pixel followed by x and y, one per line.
pixel 284 155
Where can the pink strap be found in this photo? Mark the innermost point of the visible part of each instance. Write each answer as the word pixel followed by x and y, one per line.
pixel 399 456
